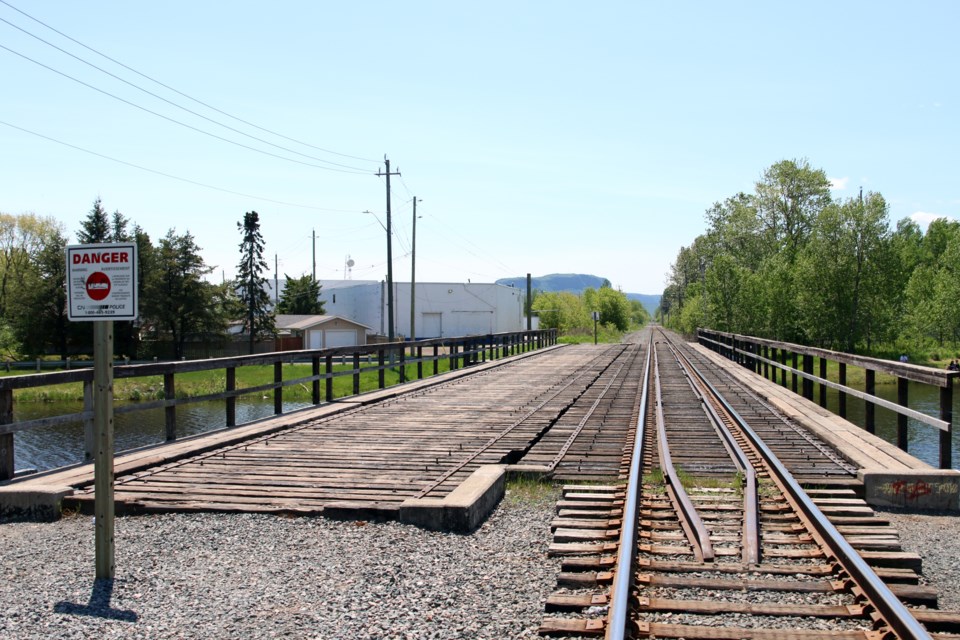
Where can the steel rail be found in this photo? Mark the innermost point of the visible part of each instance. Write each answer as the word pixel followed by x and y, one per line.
pixel 619 605
pixel 751 520
pixel 584 372
pixel 695 529
pixel 893 612
pixel 583 422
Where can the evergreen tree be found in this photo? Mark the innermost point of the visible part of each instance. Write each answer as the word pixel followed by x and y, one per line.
pixel 300 296
pixel 95 228
pixel 177 300
pixel 251 284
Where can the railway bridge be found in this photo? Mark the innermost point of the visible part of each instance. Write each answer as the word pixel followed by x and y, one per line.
pixel 690 469
pixel 435 451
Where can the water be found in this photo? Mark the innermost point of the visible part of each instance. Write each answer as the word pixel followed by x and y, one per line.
pixel 923 441
pixel 62 445
pixel 52 447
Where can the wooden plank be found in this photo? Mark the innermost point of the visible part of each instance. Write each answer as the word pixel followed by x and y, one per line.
pixel 664 630
pixel 713 607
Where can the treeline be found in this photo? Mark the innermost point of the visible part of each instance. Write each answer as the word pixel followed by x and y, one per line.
pixel 789 262
pixel 176 303
pixel 571 314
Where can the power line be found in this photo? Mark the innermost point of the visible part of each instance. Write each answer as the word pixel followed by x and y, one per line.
pixel 174 104
pixel 178 92
pixel 174 120
pixel 171 176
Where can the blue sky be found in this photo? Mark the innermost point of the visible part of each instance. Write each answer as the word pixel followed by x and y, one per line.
pixel 542 137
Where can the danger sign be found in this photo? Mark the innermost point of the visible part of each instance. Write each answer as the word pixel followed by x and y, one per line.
pixel 102 282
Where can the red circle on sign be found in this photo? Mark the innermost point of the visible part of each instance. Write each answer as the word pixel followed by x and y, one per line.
pixel 98 285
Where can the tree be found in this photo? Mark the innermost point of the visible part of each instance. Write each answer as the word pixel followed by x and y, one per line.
pixel 301 296
pixel 178 301
pixel 259 320
pixel 95 228
pixel 561 310
pixel 21 238
pixel 40 312
pixel 789 197
pixel 613 306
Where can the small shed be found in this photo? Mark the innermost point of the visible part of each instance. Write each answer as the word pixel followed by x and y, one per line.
pixel 323 332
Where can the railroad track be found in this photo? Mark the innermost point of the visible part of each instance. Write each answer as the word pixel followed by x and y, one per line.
pixel 713 537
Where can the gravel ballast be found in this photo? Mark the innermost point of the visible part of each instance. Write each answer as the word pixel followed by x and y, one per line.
pixel 261 576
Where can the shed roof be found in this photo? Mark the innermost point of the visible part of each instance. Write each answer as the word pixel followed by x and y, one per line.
pixel 295 322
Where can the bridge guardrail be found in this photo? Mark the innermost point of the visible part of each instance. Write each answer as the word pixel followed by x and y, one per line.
pixel 460 352
pixel 761 356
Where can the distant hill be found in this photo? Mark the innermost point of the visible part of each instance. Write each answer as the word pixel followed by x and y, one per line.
pixel 573 282
pixel 576 283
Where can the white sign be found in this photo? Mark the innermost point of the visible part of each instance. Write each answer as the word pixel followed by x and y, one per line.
pixel 102 282
pixel 596 316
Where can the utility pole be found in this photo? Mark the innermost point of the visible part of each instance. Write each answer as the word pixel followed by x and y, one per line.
pixel 276 282
pixel 314 233
pixel 391 334
pixel 413 271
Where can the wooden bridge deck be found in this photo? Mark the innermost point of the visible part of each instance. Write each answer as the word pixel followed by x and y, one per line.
pixel 418 444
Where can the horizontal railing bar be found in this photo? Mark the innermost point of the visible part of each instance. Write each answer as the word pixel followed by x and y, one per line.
pixel 886 404
pixel 914 372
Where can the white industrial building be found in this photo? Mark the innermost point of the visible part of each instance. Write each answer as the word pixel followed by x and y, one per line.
pixel 441 309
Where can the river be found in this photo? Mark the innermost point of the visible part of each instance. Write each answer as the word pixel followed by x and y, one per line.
pixel 62 445
pixel 53 447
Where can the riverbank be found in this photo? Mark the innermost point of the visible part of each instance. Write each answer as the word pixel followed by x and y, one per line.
pixel 201 383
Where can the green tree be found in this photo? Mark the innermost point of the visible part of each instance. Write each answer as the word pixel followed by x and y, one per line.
pixel 561 310
pixel 259 320
pixel 40 312
pixel 788 199
pixel 301 296
pixel 95 228
pixel 639 316
pixel 21 238
pixel 178 301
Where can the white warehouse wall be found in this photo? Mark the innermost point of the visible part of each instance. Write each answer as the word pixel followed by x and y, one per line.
pixel 465 309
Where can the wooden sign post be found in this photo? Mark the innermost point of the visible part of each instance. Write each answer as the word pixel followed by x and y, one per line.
pixel 101 288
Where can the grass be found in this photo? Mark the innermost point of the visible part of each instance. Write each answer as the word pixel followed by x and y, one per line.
pixel 201 383
pixel 530 489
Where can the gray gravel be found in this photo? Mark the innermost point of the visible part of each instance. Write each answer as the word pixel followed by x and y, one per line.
pixel 254 576
pixel 937 539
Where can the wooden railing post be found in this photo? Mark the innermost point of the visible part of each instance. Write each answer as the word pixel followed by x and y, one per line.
pixel 808 383
pixel 783 372
pixel 6 439
pixel 356 373
pixel 419 362
pixel 315 387
pixel 403 365
pixel 170 413
pixel 436 359
pixel 823 387
pixel 381 372
pixel 328 383
pixel 793 380
pixel 278 390
pixel 946 436
pixel 903 394
pixel 842 397
pixel 231 400
pixel 870 408
pixel 766 365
